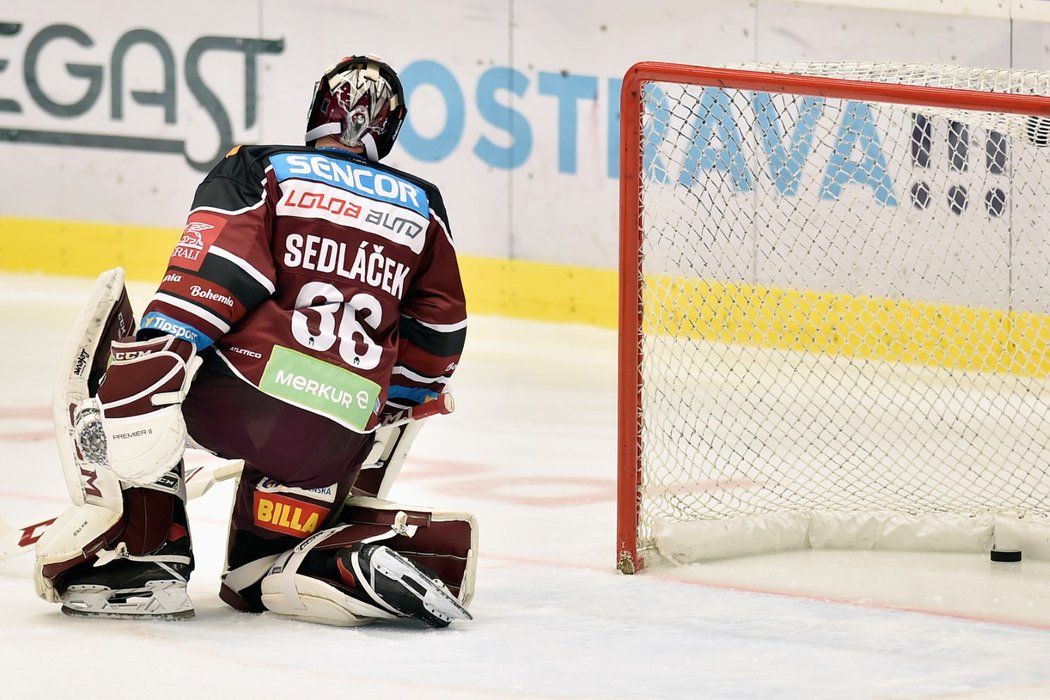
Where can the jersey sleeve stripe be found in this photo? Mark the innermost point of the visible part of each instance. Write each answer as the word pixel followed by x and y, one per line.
pixel 218 270
pixel 416 377
pixel 244 265
pixel 443 225
pixel 440 327
pixel 229 212
pixel 194 309
pixel 232 195
pixel 435 342
pixel 229 364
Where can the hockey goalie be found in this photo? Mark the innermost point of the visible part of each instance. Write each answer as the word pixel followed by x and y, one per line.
pixel 314 293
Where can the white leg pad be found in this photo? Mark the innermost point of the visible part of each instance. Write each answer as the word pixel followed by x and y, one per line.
pixel 316 601
pixel 411 531
pixel 73 537
pixel 289 594
pixel 86 482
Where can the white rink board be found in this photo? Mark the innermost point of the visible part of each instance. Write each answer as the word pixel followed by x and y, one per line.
pixel 513 112
pixel 530 450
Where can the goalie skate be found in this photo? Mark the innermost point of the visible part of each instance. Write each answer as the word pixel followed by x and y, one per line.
pixel 392 582
pixel 151 586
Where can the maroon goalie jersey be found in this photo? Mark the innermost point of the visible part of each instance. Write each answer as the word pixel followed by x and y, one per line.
pixel 325 280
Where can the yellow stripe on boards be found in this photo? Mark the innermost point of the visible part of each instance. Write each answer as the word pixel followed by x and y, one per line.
pixel 517 288
pixel 844 325
pixel 82 249
pixel 541 291
pixel 890 330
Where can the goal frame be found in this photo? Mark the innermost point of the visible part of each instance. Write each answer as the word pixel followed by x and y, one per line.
pixel 629 418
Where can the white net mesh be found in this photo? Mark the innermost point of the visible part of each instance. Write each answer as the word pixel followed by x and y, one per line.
pixel 844 303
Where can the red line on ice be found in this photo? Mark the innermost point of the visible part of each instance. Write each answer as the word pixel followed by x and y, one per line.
pixel 868 605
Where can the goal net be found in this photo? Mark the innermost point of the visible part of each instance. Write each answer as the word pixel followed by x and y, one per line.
pixel 835 281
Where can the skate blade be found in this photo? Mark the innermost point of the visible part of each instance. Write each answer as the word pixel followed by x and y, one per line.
pixel 164 601
pixel 184 615
pixel 443 605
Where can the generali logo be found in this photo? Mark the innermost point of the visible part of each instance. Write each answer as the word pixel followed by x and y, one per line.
pixel 201 231
pixel 191 235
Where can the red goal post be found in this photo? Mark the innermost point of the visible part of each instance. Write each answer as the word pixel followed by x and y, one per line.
pixel 630 417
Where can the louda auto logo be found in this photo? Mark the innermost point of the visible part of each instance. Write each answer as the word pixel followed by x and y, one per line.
pixel 94 73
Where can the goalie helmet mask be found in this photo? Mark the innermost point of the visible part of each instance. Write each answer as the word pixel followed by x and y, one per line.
pixel 359 101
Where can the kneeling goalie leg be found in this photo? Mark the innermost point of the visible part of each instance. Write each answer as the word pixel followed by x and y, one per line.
pixel 122 548
pixel 386 562
pixel 143 570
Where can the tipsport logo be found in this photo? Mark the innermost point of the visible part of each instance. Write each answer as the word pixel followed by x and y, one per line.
pixel 166 324
pixel 98 74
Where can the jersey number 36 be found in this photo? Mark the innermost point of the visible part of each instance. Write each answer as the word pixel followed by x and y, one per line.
pixel 324 302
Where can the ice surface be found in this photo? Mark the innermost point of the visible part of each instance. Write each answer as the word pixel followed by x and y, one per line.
pixel 531 451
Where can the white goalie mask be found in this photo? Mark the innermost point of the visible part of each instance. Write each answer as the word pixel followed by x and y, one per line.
pixel 360 101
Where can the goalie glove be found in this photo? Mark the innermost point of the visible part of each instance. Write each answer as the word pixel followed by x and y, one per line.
pixel 134 426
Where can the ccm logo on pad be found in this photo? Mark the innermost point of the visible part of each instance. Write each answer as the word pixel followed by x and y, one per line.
pixel 287 515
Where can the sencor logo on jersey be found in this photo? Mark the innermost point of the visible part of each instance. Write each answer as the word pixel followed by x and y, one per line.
pixel 370 183
pixel 315 200
pixel 201 231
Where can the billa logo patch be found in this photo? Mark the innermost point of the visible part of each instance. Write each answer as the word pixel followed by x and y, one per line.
pixel 286 515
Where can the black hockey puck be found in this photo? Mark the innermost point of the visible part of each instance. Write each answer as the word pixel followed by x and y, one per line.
pixel 1006 555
